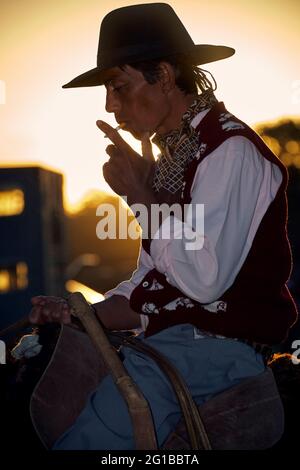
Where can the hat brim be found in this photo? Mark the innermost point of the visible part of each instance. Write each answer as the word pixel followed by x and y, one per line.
pixel 200 55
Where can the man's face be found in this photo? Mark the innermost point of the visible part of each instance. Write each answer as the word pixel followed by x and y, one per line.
pixel 141 106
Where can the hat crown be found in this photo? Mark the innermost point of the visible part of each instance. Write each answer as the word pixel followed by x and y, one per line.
pixel 139 27
pixel 141 33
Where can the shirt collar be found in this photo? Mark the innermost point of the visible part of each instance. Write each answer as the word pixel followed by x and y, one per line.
pixel 197 119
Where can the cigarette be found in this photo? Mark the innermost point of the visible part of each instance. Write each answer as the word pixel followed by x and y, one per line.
pixel 120 126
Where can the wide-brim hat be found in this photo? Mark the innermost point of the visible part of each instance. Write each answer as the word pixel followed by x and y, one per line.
pixel 142 32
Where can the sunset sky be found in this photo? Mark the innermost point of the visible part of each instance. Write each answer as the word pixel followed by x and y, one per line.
pixel 46 43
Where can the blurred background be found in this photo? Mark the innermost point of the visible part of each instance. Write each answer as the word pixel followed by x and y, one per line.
pixel 51 152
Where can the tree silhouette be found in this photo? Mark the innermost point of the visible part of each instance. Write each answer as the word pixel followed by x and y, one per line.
pixel 284 139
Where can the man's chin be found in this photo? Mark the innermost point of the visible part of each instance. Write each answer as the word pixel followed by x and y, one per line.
pixel 136 134
pixel 139 135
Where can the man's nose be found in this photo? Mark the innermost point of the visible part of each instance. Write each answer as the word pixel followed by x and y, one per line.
pixel 112 104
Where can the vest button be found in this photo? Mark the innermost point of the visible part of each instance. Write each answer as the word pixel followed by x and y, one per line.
pixel 222 306
pixel 145 284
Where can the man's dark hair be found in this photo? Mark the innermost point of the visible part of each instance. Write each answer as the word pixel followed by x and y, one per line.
pixel 188 77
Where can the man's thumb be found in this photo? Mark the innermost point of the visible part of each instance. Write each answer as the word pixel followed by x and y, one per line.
pixel 147 148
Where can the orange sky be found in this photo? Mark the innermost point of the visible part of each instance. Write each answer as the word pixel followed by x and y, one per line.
pixel 46 43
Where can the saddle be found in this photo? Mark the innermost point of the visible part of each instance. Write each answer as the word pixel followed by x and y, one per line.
pixel 248 416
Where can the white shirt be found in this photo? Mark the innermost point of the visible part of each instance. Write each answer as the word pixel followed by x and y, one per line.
pixel 236 184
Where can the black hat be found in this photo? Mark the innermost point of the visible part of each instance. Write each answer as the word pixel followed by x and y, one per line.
pixel 143 32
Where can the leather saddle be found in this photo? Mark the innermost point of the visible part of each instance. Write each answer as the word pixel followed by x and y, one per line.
pixel 248 416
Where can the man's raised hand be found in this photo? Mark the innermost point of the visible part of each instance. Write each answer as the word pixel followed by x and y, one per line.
pixel 127 173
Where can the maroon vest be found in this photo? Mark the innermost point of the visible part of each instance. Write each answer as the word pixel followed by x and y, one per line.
pixel 258 306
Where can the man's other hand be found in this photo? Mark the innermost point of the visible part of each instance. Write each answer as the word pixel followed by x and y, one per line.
pixel 48 309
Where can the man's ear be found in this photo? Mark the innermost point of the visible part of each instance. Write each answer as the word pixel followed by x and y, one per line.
pixel 167 77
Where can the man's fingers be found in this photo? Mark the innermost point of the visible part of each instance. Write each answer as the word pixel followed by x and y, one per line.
pixel 49 309
pixel 114 136
pixel 112 151
pixel 111 174
pixel 66 317
pixel 39 299
pixel 147 148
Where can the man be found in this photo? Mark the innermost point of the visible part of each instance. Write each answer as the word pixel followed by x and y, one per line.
pixel 198 305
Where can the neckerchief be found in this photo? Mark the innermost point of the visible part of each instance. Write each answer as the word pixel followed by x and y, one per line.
pixel 179 147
